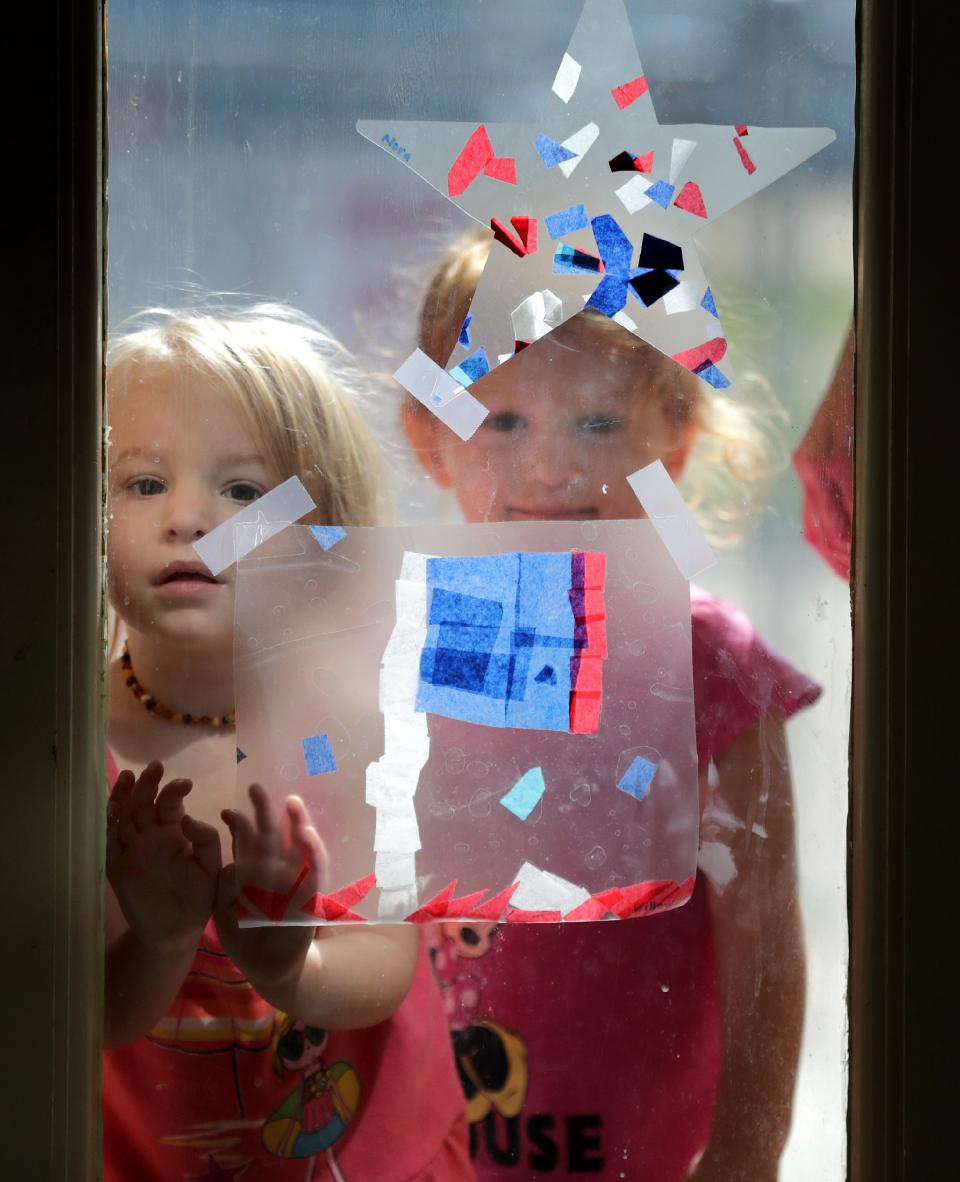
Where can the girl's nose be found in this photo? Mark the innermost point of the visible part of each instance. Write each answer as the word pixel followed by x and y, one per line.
pixel 190 515
pixel 552 462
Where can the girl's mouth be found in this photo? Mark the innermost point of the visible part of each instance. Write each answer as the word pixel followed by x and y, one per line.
pixel 186 575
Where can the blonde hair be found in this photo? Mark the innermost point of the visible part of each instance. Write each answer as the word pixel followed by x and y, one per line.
pixel 739 444
pixel 295 385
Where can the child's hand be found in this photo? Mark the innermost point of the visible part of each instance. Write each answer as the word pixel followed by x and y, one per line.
pixel 163 865
pixel 272 957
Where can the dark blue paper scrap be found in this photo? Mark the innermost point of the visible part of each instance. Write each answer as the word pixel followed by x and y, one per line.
pixel 614 246
pixel 638 777
pixel 660 254
pixel 552 153
pixel 318 755
pixel 453 607
pixel 464 337
pixel 241 755
pixel 712 376
pixel 609 296
pixel 471 368
pixel 547 674
pixel 327 535
pixel 566 221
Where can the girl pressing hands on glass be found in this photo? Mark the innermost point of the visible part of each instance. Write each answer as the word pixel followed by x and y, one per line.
pixel 207 414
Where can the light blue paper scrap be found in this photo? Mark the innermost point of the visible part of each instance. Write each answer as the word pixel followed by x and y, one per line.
pixel 565 221
pixel 638 777
pixel 327 535
pixel 524 796
pixel 318 755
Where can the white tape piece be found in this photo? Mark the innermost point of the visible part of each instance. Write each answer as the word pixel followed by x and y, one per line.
pixel 539 890
pixel 680 153
pixel 274 511
pixel 682 298
pixel 567 78
pixel 634 193
pixel 442 394
pixel 580 142
pixel 675 524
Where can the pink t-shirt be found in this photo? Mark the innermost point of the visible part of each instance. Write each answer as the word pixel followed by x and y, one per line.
pixel 594 1048
pixel 224 1087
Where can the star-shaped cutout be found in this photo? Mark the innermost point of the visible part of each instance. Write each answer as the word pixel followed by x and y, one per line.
pixel 597 204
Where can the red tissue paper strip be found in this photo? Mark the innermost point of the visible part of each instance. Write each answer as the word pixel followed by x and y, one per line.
pixel 644 163
pixel 591 909
pixel 501 168
pixel 594 571
pixel 326 907
pixel 691 200
pixel 351 895
pixel 652 896
pixel 274 904
pixel 584 714
pixel 517 915
pixel 460 908
pixel 434 908
pixel 495 907
pixel 476 157
pixel 629 92
pixel 745 160
pixel 710 352
pixel 522 243
pixel 741 129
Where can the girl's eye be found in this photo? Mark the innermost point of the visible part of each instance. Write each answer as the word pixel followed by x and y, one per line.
pixel 506 422
pixel 599 424
pixel 243 492
pixel 147 486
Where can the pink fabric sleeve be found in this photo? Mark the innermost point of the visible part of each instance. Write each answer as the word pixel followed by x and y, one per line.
pixel 737 677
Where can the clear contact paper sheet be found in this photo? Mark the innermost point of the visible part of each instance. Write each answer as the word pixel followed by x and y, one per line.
pixel 490 723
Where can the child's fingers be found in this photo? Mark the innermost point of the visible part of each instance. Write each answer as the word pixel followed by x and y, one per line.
pixel 305 837
pixel 206 844
pixel 263 811
pixel 119 824
pixel 144 794
pixel 169 806
pixel 241 831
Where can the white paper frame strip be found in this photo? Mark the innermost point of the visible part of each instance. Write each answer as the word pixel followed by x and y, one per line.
pixel 391 782
pixel 274 511
pixel 675 524
pixel 442 394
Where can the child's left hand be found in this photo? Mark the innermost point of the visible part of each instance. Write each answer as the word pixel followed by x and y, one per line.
pixel 273 956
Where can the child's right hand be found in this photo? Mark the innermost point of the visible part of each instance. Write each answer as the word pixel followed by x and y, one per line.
pixel 162 864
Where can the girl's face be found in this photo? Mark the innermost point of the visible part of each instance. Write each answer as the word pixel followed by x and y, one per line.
pixel 567 424
pixel 181 462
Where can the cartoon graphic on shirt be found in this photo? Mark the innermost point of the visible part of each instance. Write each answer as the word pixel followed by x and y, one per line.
pixel 316 1113
pixel 217 1012
pixel 491 1060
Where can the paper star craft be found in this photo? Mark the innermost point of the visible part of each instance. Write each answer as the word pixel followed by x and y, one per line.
pixel 617 193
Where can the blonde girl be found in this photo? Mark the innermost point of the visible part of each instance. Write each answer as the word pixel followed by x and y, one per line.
pixel 208 411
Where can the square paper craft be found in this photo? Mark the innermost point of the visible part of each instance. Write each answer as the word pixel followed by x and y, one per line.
pixel 471 716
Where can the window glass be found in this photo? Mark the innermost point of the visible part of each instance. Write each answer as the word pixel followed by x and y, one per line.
pixel 236 168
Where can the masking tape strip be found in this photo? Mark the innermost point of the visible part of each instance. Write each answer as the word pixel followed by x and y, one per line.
pixel 441 394
pixel 675 524
pixel 273 512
